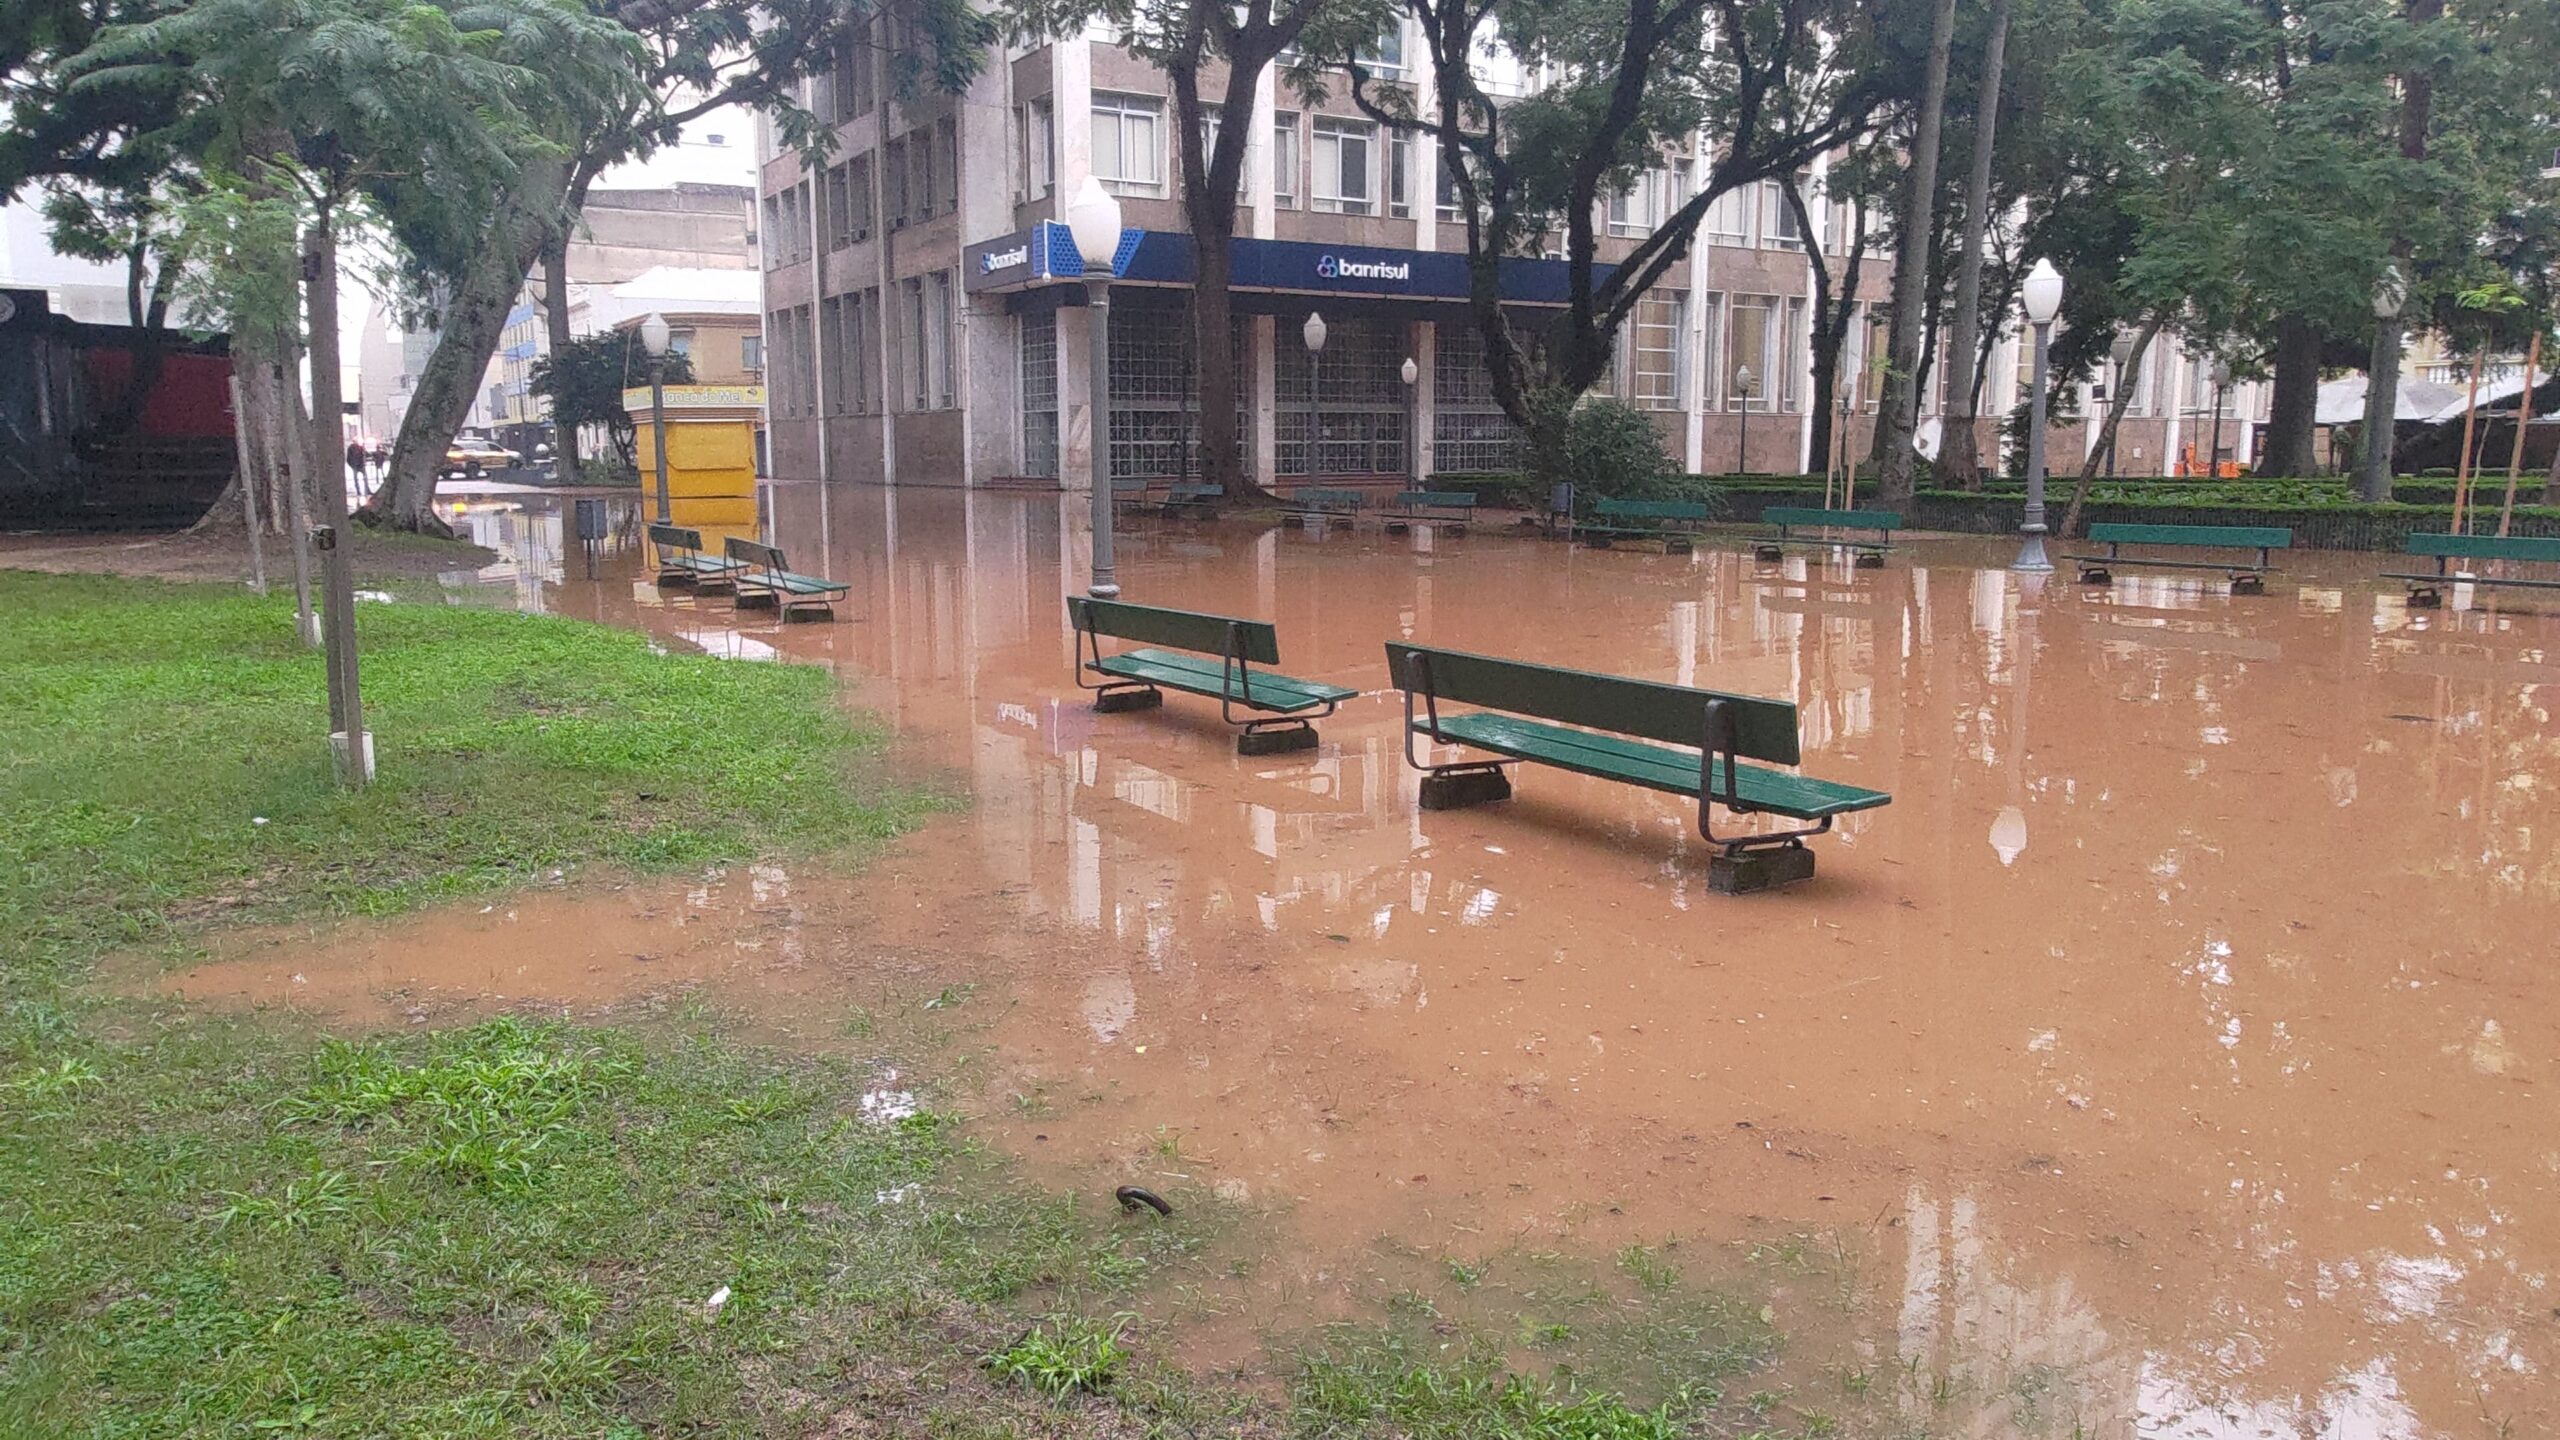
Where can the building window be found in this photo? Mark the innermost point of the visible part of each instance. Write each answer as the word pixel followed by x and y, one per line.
pixel 772 235
pixel 1345 171
pixel 916 362
pixel 1357 416
pixel 860 89
pixel 1400 176
pixel 1751 323
pixel 901 194
pixel 1642 207
pixel 1128 143
pixel 1654 355
pixel 1037 127
pixel 831 346
pixel 1386 57
pixel 1729 218
pixel 1284 159
pixel 1040 394
pixel 1778 228
pixel 1793 367
pixel 1450 202
pixel 945 148
pixel 860 358
pixel 1469 432
pixel 751 354
pixel 1155 429
pixel 857 203
pixel 943 325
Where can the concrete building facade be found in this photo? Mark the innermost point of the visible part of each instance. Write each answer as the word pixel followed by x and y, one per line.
pixel 925 321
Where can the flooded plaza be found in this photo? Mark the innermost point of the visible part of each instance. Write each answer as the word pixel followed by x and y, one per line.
pixel 2170 1058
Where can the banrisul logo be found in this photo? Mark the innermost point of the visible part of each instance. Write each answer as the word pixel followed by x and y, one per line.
pixel 995 260
pixel 1334 267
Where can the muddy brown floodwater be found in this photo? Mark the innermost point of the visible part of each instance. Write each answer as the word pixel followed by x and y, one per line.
pixel 2182 1034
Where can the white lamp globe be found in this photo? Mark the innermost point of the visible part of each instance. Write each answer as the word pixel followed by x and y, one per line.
pixel 1093 218
pixel 1412 372
pixel 655 336
pixel 2044 293
pixel 1314 330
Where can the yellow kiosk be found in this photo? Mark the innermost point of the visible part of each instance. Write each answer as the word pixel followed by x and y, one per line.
pixel 711 455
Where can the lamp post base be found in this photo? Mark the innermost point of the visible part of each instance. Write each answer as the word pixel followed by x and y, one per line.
pixel 2031 556
pixel 1104 591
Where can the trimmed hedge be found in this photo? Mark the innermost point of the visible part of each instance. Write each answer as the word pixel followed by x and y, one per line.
pixel 2317 511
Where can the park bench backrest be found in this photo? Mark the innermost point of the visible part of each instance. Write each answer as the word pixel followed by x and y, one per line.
pixel 1674 714
pixel 2487 547
pixel 1614 509
pixel 748 552
pixel 675 537
pixel 2230 537
pixel 1198 492
pixel 1256 641
pixel 1791 515
pixel 1128 487
pixel 1347 498
pixel 1431 499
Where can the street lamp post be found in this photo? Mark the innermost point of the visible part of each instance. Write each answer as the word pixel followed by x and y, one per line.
pixel 2119 398
pixel 2044 301
pixel 654 338
pixel 2221 376
pixel 1313 333
pixel 1742 382
pixel 2382 388
pixel 1412 421
pixel 1093 219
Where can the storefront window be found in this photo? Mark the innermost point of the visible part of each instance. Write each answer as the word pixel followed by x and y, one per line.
pixel 1353 397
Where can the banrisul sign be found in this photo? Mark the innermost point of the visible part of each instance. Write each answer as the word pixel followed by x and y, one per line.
pixel 995 260
pixel 1335 267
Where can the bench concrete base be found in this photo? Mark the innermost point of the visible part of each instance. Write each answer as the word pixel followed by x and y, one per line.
pixel 1399 527
pixel 1277 740
pixel 2096 575
pixel 1594 542
pixel 1115 702
pixel 1458 789
pixel 2248 584
pixel 757 600
pixel 1767 554
pixel 2426 597
pixel 1868 560
pixel 1754 870
pixel 1678 545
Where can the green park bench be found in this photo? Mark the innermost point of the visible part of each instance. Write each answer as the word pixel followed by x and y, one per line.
pixel 1675 523
pixel 1210 655
pixel 1192 496
pixel 1606 724
pixel 1128 492
pixel 1450 510
pixel 2426 589
pixel 764 578
pixel 1336 507
pixel 681 560
pixel 2246 578
pixel 1832 527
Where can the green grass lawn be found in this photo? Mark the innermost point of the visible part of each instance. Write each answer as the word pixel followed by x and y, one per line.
pixel 224 1226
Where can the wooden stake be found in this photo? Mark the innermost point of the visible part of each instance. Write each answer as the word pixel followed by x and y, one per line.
pixel 2524 416
pixel 2462 466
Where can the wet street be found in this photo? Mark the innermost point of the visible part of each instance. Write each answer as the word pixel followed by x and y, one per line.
pixel 2170 1058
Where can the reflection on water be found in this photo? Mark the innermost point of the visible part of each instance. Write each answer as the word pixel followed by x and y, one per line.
pixel 2201 1100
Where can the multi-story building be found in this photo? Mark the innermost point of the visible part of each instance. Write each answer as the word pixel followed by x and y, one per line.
pixel 925 315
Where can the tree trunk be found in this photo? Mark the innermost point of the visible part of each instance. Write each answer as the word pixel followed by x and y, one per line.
pixel 1897 462
pixel 2293 410
pixel 473 321
pixel 1833 312
pixel 326 445
pixel 555 315
pixel 1960 452
pixel 2117 404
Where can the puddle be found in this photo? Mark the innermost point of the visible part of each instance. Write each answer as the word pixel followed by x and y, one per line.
pixel 2168 1054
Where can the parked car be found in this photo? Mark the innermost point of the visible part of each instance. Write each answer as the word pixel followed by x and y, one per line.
pixel 472 455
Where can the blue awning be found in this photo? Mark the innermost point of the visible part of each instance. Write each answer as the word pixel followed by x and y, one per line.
pixel 1046 254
